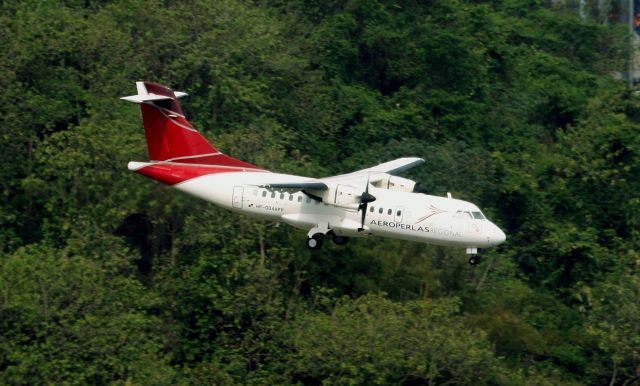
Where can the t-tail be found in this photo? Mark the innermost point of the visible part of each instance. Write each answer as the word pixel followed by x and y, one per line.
pixel 172 140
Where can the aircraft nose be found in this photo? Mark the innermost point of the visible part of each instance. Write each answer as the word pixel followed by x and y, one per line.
pixel 497 235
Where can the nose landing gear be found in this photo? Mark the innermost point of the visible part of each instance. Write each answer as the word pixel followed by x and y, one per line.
pixel 474 258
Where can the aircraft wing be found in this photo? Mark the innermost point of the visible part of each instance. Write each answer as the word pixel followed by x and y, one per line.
pixel 372 174
pixel 396 166
pixel 312 185
pixel 375 173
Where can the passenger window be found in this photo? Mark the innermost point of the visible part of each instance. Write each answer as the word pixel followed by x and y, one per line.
pixel 389 212
pixel 273 194
pixel 380 210
pixel 371 209
pixel 264 193
pixel 299 198
pixel 291 197
pixel 398 213
pixel 282 196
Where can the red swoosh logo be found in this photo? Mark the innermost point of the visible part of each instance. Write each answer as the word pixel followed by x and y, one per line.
pixel 432 212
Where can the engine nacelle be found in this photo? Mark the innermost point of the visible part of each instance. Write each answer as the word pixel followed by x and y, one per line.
pixel 345 196
pixel 395 183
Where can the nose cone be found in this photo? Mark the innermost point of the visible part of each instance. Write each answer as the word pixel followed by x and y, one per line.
pixel 497 235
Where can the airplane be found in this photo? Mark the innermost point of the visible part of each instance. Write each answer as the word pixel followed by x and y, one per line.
pixel 369 202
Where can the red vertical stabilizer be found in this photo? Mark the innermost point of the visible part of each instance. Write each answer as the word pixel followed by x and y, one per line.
pixel 170 137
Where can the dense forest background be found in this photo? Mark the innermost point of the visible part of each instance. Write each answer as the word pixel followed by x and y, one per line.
pixel 110 278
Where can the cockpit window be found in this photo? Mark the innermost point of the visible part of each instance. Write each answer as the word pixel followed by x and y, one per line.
pixel 478 215
pixel 468 215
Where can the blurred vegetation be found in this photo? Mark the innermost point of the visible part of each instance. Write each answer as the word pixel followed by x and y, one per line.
pixel 110 278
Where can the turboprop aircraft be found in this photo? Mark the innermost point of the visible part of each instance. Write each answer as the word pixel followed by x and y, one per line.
pixel 369 202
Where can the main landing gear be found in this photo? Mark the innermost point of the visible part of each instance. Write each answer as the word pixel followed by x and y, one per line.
pixel 315 241
pixel 474 258
pixel 340 240
pixel 316 238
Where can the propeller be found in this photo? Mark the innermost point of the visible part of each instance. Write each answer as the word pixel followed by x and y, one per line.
pixel 365 199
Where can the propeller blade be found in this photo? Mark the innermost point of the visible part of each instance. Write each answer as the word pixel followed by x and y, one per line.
pixel 364 213
pixel 365 199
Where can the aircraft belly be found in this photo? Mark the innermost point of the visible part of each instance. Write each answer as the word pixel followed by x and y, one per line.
pixel 310 215
pixel 215 188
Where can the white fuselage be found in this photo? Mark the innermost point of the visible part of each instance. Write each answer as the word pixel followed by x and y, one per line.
pixel 395 214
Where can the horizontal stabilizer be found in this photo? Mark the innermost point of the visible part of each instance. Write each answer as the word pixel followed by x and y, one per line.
pixel 145 98
pixel 146 95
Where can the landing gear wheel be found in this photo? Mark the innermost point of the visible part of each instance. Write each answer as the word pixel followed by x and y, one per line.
pixel 315 241
pixel 474 259
pixel 340 240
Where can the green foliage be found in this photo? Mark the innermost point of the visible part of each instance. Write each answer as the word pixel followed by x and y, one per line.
pixel 373 341
pixel 614 321
pixel 109 278
pixel 67 317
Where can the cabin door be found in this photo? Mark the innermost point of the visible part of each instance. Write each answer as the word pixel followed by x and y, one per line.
pixel 237 197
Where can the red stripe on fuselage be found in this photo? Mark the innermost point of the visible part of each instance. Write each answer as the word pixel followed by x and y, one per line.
pixel 172 174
